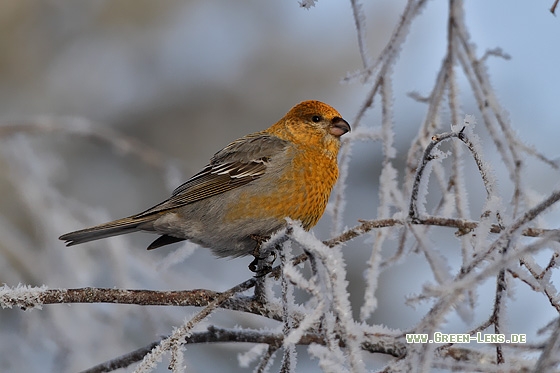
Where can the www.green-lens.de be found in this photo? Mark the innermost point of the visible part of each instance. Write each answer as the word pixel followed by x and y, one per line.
pixel 466 338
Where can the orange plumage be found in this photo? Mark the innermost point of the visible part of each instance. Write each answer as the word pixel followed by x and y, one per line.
pixel 248 188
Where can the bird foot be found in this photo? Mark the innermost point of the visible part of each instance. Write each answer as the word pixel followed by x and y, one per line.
pixel 261 265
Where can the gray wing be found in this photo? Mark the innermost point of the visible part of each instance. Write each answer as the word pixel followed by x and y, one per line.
pixel 239 163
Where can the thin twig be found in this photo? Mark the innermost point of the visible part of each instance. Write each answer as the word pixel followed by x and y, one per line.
pixel 499 304
pixel 427 157
pixel 553 7
pixel 549 356
pixel 184 331
pixel 202 297
pixel 360 22
pixel 82 127
pixel 374 344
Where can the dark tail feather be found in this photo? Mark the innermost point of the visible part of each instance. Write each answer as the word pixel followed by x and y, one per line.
pixel 113 228
pixel 164 240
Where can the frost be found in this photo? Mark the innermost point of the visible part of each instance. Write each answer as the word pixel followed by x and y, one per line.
pixel 423 190
pixel 468 122
pixel 177 256
pixel 482 232
pixel 329 362
pixel 339 203
pixel 387 194
pixel 247 358
pixel 307 3
pixel 388 133
pixel 22 296
pixel 365 134
pixel 360 21
pixel 288 303
pixel 177 363
pixel 372 278
pixel 475 253
pixel 331 271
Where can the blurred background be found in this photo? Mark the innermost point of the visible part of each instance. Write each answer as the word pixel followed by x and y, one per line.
pixel 184 78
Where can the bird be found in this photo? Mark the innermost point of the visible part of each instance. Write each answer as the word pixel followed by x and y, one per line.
pixel 248 188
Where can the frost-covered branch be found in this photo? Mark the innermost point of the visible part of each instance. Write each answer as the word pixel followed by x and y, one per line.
pixel 554 6
pixel 325 298
pixel 82 127
pixel 382 68
pixel 486 175
pixel 213 334
pixel 28 298
pixel 179 335
pixel 549 357
pixel 360 20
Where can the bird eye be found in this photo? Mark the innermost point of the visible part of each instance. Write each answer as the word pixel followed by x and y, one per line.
pixel 316 118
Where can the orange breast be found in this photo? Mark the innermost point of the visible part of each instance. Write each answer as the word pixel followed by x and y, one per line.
pixel 301 192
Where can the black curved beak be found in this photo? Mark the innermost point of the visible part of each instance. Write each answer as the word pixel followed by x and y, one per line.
pixel 339 127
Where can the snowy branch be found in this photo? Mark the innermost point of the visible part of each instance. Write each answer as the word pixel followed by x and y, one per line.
pixel 457 227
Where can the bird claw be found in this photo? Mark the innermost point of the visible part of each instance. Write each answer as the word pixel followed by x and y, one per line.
pixel 260 265
pixel 258 268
